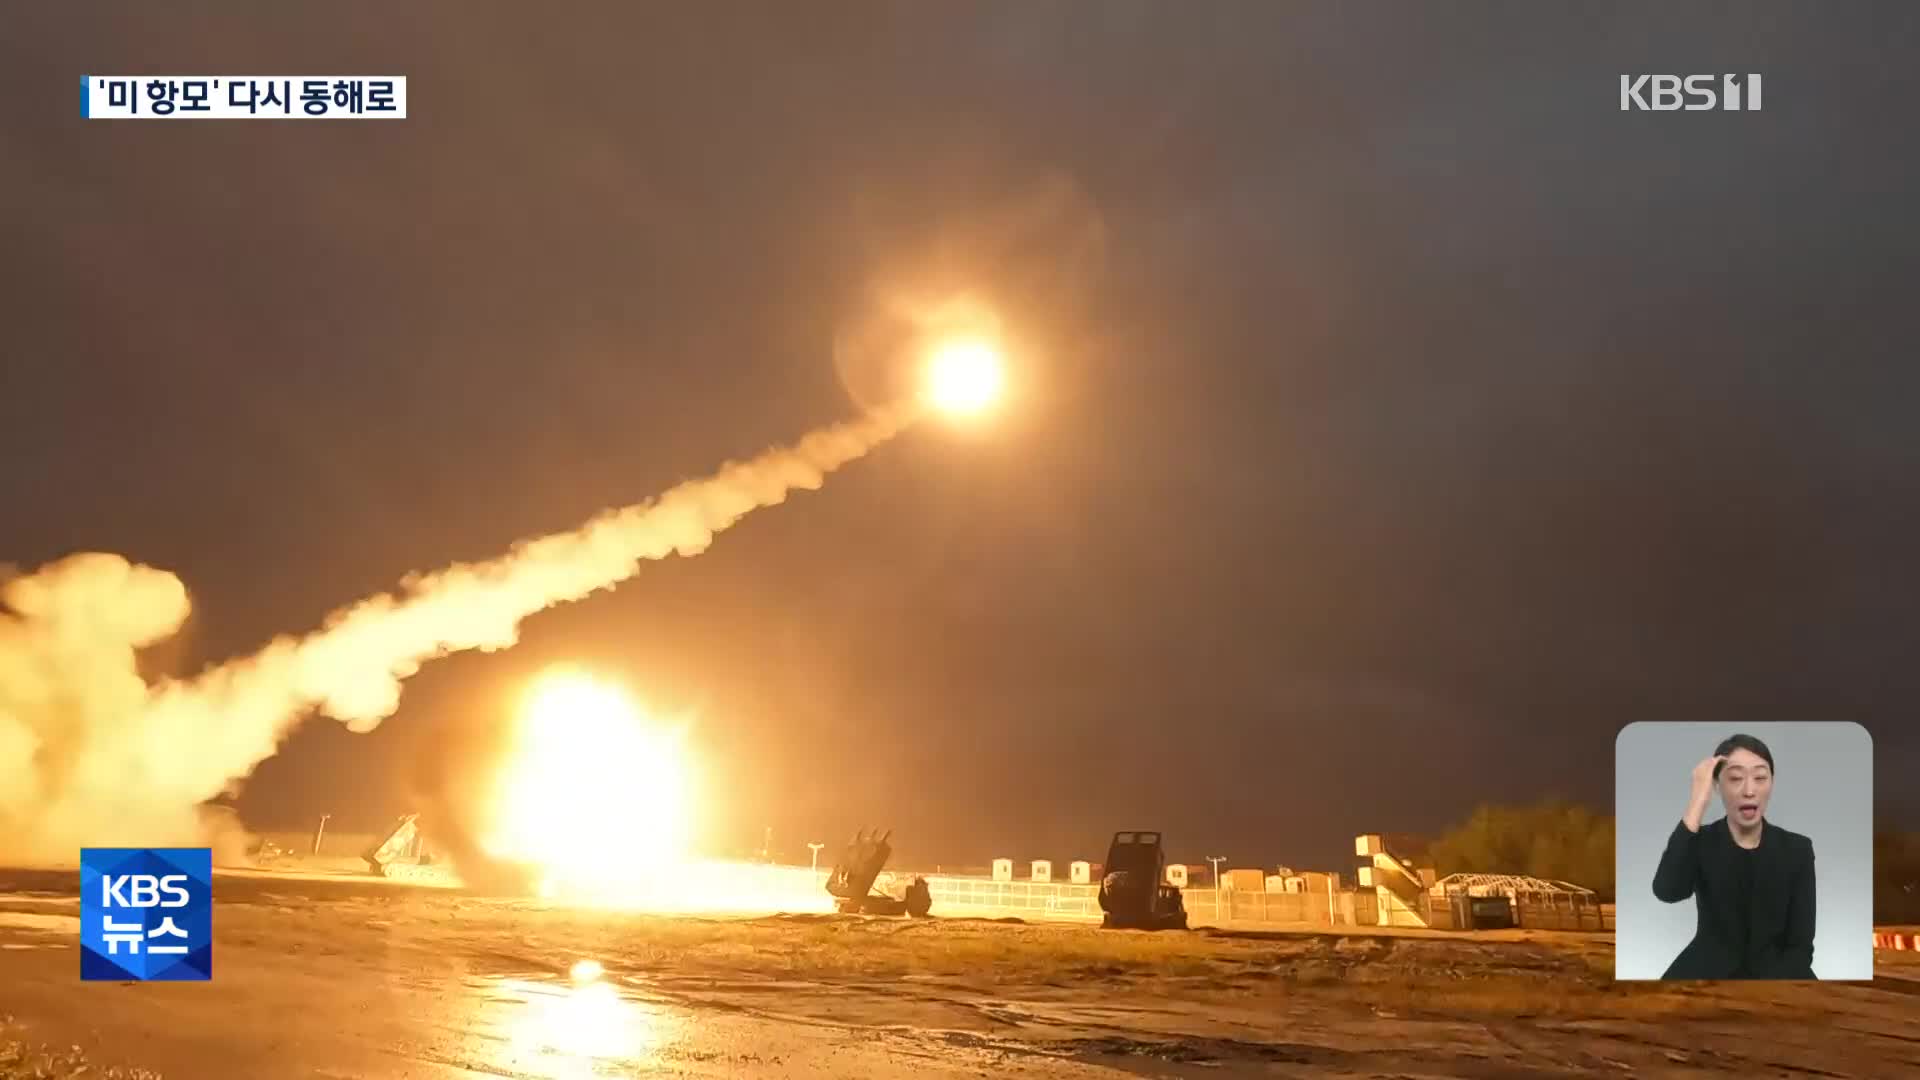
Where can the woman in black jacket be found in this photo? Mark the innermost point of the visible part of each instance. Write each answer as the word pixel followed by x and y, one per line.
pixel 1751 881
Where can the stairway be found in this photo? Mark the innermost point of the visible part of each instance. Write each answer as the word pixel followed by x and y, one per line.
pixel 1400 890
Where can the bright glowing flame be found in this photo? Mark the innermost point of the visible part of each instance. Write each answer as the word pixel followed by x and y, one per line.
pixel 598 798
pixel 593 794
pixel 964 376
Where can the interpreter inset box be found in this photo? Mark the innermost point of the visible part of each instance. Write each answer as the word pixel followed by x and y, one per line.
pixel 1743 851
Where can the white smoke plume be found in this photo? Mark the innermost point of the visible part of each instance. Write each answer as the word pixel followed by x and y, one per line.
pixel 91 755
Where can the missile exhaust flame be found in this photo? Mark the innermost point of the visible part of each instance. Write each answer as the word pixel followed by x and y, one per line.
pixel 594 795
pixel 964 376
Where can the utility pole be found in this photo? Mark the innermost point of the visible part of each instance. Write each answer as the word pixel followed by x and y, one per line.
pixel 1216 860
pixel 320 832
pixel 815 846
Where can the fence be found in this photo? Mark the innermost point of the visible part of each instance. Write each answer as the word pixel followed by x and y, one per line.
pixel 1552 911
pixel 988 898
pixel 1230 907
pixel 1564 912
pixel 1233 906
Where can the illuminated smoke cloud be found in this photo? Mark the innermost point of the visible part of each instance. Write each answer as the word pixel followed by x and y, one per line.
pixel 92 755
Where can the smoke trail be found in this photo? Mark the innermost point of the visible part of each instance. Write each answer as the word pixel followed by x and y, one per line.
pixel 92 755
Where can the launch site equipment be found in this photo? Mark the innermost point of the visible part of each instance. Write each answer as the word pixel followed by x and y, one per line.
pixel 851 883
pixel 1134 894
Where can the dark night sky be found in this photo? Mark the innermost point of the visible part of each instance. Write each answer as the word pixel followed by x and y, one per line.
pixel 1401 418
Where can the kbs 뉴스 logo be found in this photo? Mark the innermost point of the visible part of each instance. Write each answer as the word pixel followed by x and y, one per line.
pixel 146 914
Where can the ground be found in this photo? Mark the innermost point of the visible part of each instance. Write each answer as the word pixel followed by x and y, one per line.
pixel 360 978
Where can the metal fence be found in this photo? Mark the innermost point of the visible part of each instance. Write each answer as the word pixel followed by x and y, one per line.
pixel 1541 912
pixel 1255 909
pixel 988 898
pixel 1564 913
pixel 1360 907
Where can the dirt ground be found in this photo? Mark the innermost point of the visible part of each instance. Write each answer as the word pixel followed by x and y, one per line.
pixel 339 978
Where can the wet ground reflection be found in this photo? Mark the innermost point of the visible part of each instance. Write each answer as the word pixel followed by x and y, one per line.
pixel 575 1028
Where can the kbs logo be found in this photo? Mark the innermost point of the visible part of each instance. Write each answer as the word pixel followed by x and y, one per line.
pixel 146 914
pixel 1692 93
pixel 144 890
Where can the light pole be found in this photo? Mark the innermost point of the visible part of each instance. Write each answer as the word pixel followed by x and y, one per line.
pixel 1216 860
pixel 320 832
pixel 815 846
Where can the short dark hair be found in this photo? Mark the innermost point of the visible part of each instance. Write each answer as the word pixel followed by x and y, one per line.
pixel 1740 742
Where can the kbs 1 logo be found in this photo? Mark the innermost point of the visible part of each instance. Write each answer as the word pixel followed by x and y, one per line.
pixel 1691 93
pixel 146 914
